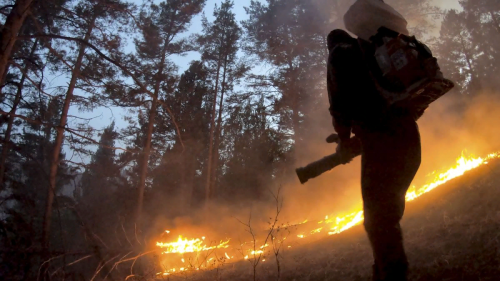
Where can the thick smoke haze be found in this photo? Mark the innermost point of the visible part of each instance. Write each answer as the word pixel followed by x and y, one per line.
pixel 446 133
pixel 448 4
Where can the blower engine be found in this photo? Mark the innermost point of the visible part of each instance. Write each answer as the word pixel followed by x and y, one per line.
pixel 404 70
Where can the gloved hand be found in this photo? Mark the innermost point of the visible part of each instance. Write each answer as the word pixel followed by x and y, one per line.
pixel 344 152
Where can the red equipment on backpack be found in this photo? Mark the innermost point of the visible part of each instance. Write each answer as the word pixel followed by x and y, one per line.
pixel 404 70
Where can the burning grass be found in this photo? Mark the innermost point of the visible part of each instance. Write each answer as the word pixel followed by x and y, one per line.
pixel 201 255
pixel 450 234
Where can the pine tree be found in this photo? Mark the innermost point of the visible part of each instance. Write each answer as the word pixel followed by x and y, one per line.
pixel 16 97
pixel 219 47
pixel 253 149
pixel 29 179
pixel 99 184
pixel 25 69
pixel 457 52
pixel 98 179
pixel 176 176
pixel 160 27
pixel 86 17
pixel 482 20
pixel 290 36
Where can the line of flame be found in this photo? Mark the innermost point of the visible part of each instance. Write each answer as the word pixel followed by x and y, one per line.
pixel 337 225
pixel 184 245
pixel 463 165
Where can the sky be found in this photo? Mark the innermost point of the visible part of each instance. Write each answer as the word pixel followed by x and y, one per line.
pixel 183 62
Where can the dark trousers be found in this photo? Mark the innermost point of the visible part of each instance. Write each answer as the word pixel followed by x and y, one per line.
pixel 390 160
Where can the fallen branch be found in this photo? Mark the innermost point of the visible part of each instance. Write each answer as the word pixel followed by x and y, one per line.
pixel 101 267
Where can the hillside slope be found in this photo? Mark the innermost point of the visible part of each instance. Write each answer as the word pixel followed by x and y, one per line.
pixel 452 233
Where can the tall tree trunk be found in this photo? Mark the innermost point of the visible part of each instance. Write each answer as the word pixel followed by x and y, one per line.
pixel 145 157
pixel 189 181
pixel 59 139
pixel 187 164
pixel 10 29
pixel 215 160
pixel 149 136
pixel 17 100
pixel 211 139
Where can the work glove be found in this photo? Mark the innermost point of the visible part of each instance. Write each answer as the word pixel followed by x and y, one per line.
pixel 344 152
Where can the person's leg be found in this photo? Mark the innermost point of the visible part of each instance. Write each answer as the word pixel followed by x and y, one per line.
pixel 390 160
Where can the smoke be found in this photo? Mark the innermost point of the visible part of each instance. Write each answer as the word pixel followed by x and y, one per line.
pixel 447 4
pixel 447 129
pixel 451 126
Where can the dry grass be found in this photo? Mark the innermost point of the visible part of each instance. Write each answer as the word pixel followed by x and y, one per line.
pixel 450 234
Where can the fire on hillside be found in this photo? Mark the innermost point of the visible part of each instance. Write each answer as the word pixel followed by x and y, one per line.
pixel 184 254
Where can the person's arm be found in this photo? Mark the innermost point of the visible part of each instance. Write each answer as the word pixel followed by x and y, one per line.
pixel 338 99
pixel 342 127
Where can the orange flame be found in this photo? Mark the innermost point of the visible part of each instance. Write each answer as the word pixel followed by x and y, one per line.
pixel 463 165
pixel 184 245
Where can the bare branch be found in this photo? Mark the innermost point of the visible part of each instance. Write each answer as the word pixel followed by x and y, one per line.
pixel 116 264
pixel 102 266
pixel 86 119
pixel 44 263
pixel 72 131
pixel 114 62
pixel 37 85
pixel 74 163
pixel 96 142
pixel 126 236
pixel 79 260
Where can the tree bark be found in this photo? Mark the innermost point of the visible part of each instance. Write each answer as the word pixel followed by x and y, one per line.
pixel 145 157
pixel 10 30
pixel 17 100
pixel 59 139
pixel 215 160
pixel 189 182
pixel 187 163
pixel 149 136
pixel 211 139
